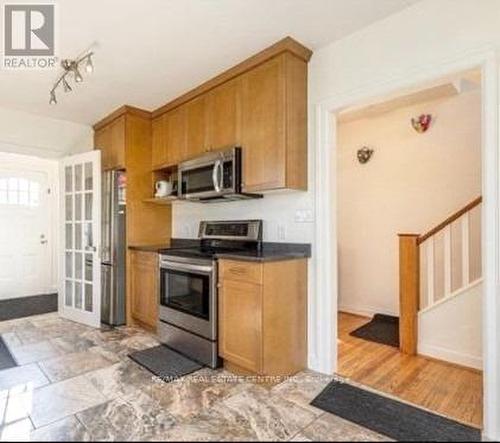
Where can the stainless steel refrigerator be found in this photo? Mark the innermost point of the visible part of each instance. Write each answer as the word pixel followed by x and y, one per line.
pixel 113 248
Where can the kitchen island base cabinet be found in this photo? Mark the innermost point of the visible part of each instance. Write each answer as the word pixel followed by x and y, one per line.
pixel 143 286
pixel 263 316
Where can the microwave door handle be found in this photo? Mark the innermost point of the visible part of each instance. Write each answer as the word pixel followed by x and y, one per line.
pixel 215 178
pixel 220 168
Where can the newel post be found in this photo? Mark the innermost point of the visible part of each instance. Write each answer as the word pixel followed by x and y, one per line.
pixel 409 292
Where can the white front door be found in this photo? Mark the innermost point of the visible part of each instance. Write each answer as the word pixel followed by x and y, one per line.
pixel 25 250
pixel 80 285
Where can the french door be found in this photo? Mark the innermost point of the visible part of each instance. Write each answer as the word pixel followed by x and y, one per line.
pixel 80 276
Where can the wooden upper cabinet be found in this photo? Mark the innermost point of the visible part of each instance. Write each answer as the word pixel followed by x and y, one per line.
pixel 158 153
pixel 110 139
pixel 260 105
pixel 263 128
pixel 175 135
pixel 224 115
pixel 118 143
pixel 196 126
pixel 102 141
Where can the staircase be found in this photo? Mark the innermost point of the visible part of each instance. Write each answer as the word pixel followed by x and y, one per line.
pixel 440 279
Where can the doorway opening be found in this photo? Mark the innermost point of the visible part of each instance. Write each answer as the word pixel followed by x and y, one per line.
pixel 409 232
pixel 28 250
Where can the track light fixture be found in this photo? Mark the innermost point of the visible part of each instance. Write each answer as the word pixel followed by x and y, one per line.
pixel 71 69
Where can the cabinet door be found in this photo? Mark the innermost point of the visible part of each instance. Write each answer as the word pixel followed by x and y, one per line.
pixel 175 133
pixel 102 141
pixel 224 105
pixel 118 143
pixel 159 155
pixel 144 287
pixel 263 126
pixel 240 325
pixel 196 126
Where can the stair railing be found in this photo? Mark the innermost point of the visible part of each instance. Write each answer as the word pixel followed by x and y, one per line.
pixel 417 271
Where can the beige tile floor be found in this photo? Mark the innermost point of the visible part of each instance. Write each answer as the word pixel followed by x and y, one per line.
pixel 75 383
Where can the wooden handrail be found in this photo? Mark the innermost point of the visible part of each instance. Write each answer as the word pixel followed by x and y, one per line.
pixel 450 220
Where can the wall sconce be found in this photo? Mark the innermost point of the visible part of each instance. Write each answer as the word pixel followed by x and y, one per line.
pixel 421 123
pixel 365 154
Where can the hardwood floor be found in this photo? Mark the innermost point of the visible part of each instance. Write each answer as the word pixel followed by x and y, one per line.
pixel 447 389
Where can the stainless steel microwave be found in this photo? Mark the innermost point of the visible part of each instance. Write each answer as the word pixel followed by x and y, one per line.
pixel 213 177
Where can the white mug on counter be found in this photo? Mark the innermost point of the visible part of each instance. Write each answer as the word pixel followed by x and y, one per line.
pixel 163 188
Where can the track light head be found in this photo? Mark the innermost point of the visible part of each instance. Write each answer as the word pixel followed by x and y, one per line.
pixel 66 86
pixel 53 100
pixel 89 66
pixel 78 76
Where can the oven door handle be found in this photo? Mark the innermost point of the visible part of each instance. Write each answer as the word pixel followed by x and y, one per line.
pixel 185 267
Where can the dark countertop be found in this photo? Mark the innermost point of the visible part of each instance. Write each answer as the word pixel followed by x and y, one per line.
pixel 149 248
pixel 269 251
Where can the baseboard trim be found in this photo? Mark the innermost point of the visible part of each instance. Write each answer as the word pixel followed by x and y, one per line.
pixel 448 355
pixel 20 307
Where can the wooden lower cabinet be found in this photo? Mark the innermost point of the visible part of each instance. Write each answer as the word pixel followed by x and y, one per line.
pixel 143 287
pixel 263 316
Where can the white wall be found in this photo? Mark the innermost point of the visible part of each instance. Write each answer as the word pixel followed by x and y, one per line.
pixel 30 134
pixel 451 331
pixel 412 183
pixel 276 209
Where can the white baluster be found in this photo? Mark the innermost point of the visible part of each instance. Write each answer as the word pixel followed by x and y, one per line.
pixel 465 249
pixel 429 246
pixel 447 260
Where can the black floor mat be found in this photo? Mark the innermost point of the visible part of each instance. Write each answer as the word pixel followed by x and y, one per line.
pixel 26 306
pixel 6 359
pixel 382 329
pixel 391 418
pixel 165 362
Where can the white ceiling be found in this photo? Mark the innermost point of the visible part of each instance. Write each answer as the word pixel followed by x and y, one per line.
pixel 149 52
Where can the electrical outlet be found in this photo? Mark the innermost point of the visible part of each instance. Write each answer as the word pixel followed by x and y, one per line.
pixel 281 232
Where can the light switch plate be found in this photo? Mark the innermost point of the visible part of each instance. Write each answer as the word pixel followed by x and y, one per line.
pixel 304 216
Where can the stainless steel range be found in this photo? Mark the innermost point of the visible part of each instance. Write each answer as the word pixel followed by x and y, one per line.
pixel 188 287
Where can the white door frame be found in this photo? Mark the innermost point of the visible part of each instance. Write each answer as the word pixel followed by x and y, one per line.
pixel 324 299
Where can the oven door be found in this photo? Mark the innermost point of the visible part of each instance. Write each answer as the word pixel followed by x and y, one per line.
pixel 188 297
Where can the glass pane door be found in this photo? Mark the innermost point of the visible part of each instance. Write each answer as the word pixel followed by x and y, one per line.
pixel 81 197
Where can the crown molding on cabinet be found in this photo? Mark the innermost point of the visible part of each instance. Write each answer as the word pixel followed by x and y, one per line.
pixel 126 109
pixel 287 44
